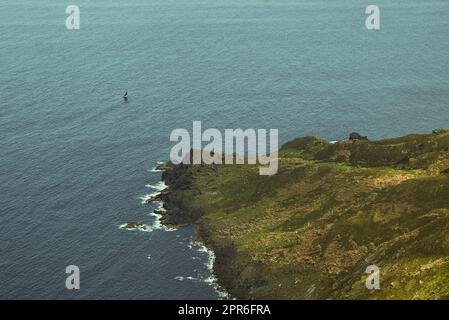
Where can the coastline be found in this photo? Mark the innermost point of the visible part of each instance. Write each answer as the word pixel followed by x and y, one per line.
pixel 334 208
pixel 168 217
pixel 174 214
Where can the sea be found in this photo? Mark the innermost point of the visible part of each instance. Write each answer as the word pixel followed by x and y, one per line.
pixel 77 160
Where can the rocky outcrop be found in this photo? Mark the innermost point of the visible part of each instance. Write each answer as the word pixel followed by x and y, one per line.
pixel 357 136
pixel 155 198
pixel 178 198
pixel 310 231
pixel 135 226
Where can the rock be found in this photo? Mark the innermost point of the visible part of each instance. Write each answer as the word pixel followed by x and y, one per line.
pixel 164 166
pixel 135 226
pixel 440 131
pixel 155 198
pixel 130 225
pixel 357 136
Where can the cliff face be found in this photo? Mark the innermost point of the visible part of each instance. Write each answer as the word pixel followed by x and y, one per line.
pixel 310 231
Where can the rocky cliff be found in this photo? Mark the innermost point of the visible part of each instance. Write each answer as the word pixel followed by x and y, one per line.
pixel 310 231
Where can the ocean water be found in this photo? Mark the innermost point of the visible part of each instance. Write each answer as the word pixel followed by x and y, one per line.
pixel 75 159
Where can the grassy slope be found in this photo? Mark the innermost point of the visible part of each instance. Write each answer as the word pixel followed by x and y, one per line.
pixel 310 231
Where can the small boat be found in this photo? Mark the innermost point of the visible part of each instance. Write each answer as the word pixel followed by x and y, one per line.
pixel 125 96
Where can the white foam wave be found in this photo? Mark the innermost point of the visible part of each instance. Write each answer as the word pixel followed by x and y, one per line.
pixel 155 169
pixel 157 224
pixel 141 227
pixel 200 247
pixel 183 278
pixel 160 206
pixel 211 280
pixel 144 199
pixel 160 186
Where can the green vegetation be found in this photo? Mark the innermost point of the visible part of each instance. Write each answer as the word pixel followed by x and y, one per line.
pixel 310 231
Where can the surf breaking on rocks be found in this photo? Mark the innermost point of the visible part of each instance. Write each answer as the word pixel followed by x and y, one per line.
pixel 153 199
pixel 158 206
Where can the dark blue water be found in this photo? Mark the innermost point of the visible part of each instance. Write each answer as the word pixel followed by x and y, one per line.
pixel 75 159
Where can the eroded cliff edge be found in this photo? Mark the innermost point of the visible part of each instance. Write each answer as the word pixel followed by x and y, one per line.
pixel 310 231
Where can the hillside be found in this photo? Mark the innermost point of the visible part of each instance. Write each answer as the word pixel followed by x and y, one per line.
pixel 310 231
